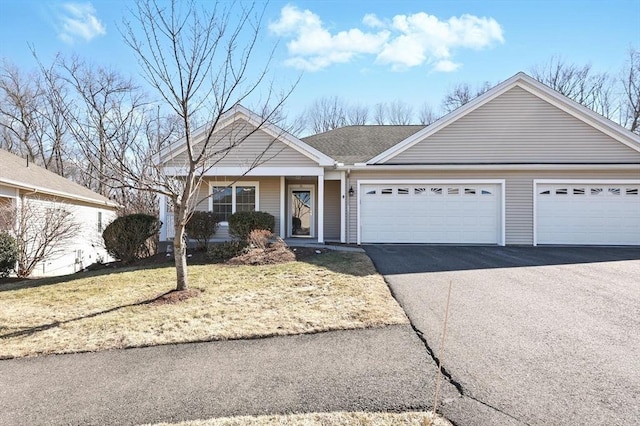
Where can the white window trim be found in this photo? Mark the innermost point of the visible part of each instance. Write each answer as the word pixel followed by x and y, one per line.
pixel 500 182
pixel 233 186
pixel 537 182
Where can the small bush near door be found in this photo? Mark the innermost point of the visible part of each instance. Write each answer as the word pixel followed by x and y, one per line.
pixel 126 238
pixel 8 254
pixel 242 223
pixel 201 227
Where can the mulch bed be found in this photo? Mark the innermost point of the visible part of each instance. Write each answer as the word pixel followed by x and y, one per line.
pixel 175 296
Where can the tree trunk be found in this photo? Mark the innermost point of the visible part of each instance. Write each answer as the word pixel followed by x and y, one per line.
pixel 180 255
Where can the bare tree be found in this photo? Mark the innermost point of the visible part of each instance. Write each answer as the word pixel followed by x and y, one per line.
pixel 104 121
pixel 326 113
pixel 399 113
pixel 380 113
pixel 43 228
pixel 357 115
pixel 580 83
pixel 426 114
pixel 462 94
pixel 201 64
pixel 630 79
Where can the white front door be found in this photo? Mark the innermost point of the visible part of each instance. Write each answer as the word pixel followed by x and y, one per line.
pixel 301 219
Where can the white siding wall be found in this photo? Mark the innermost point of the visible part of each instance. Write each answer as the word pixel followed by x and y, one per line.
pixel 86 248
pixel 517 127
pixel 518 193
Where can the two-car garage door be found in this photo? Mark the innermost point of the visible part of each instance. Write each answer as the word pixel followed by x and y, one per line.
pixel 423 212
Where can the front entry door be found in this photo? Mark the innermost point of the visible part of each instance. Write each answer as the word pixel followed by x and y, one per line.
pixel 301 221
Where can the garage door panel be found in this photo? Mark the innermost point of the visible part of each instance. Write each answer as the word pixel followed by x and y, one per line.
pixel 598 213
pixel 430 213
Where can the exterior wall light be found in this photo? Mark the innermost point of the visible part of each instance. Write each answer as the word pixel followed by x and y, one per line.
pixel 351 191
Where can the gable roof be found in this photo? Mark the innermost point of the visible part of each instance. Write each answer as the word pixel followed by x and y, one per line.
pixel 532 86
pixel 238 112
pixel 14 172
pixel 357 144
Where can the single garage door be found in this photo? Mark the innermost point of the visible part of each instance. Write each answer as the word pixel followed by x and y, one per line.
pixel 601 214
pixel 468 213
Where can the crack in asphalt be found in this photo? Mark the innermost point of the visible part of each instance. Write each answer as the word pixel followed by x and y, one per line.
pixel 443 370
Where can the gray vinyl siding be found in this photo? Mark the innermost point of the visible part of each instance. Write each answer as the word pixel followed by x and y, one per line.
pixel 332 210
pixel 259 145
pixel 518 193
pixel 517 127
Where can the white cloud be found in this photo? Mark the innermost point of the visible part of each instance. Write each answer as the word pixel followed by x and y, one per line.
pixel 79 21
pixel 313 47
pixel 402 42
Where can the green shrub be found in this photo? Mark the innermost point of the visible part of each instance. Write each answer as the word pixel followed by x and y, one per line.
pixel 201 227
pixel 242 223
pixel 126 238
pixel 219 252
pixel 8 254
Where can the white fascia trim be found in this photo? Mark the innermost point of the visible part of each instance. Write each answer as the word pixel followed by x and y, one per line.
pixel 401 167
pixel 501 182
pixel 240 112
pixel 589 181
pixel 534 87
pixel 537 182
pixel 257 171
pixel 39 189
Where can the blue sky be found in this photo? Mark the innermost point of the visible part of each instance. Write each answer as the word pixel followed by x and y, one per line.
pixel 364 51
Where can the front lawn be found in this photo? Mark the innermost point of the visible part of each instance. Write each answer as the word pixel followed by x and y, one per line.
pixel 121 309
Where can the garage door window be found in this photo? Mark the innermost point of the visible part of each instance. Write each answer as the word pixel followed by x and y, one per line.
pixel 632 191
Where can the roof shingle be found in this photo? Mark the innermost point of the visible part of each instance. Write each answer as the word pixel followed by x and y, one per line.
pixel 14 172
pixel 357 144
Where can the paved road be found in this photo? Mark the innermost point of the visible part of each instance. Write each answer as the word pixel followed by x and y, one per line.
pixel 544 335
pixel 377 369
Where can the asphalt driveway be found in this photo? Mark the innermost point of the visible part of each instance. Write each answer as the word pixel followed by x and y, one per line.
pixel 543 335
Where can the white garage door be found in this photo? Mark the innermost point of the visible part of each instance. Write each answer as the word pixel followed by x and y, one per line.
pixel 430 213
pixel 587 214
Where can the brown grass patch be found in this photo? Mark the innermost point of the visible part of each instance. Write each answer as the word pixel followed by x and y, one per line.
pixel 104 310
pixel 175 296
pixel 326 419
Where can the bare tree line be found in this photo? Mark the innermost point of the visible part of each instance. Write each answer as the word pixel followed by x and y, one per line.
pixel 614 96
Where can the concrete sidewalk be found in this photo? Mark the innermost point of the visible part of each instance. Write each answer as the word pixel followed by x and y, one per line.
pixel 376 369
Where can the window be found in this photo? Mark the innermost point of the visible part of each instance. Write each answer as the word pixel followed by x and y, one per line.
pixel 632 191
pixel 371 192
pixel 99 221
pixel 453 191
pixel 403 191
pixel 245 198
pixel 614 191
pixel 470 191
pixel 545 192
pixel 384 191
pixel 596 191
pixel 562 191
pixel 486 192
pixel 578 191
pixel 240 197
pixel 419 191
pixel 436 191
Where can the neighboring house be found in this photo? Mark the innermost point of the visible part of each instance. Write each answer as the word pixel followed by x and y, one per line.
pixel 25 185
pixel 521 164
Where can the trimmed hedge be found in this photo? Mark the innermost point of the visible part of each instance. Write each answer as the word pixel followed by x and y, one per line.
pixel 8 254
pixel 201 227
pixel 220 252
pixel 242 223
pixel 126 237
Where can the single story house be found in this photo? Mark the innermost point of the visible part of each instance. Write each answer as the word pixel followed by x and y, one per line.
pixel 24 186
pixel 519 165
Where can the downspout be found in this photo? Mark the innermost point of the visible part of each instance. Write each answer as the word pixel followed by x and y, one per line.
pixel 348 216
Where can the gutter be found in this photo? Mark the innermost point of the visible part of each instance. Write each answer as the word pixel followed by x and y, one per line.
pixel 480 167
